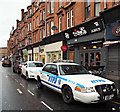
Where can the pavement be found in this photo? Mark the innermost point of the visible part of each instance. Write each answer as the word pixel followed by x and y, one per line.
pixel 116 79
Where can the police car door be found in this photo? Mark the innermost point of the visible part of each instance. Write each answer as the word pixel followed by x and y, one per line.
pixel 53 77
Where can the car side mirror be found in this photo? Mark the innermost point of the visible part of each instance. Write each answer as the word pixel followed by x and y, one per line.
pixel 26 66
pixel 90 72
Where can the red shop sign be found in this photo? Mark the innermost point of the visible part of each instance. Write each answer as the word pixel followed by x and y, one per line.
pixel 63 48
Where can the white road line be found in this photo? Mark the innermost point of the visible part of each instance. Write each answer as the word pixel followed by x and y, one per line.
pixel 21 85
pixel 6 76
pixel 46 105
pixel 19 91
pixel 31 93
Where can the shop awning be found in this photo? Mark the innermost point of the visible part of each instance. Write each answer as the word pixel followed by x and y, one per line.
pixel 108 43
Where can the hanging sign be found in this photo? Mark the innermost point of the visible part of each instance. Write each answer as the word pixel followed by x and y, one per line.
pixel 63 48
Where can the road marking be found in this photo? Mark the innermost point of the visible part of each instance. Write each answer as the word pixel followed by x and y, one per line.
pixel 16 80
pixel 19 91
pixel 116 102
pixel 22 85
pixel 6 76
pixel 31 93
pixel 46 105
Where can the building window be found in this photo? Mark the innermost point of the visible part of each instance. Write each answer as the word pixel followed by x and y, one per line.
pixel 105 4
pixel 97 7
pixel 52 24
pixel 68 19
pixel 48 7
pixel 87 9
pixel 36 21
pixel 40 35
pixel 60 24
pixel 30 26
pixel 33 24
pixel 43 33
pixel 30 12
pixel 40 15
pixel 60 3
pixel 43 14
pixel 72 24
pixel 52 6
pixel 36 36
pixel 48 29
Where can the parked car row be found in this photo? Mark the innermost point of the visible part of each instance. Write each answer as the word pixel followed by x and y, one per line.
pixel 73 81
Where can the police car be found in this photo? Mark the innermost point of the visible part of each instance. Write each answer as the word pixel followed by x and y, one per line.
pixel 74 82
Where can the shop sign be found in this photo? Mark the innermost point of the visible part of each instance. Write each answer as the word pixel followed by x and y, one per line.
pixel 63 48
pixel 116 30
pixel 86 28
pixel 113 32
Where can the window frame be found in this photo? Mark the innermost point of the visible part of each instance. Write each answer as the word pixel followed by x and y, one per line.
pixel 96 3
pixel 60 24
pixel 87 9
pixel 68 20
pixel 72 18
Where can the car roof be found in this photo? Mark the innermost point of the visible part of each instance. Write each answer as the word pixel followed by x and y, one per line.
pixel 33 61
pixel 63 63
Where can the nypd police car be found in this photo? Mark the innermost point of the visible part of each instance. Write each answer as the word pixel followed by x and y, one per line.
pixel 74 82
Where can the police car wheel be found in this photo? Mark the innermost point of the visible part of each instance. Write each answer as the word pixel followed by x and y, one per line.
pixel 39 84
pixel 27 76
pixel 67 95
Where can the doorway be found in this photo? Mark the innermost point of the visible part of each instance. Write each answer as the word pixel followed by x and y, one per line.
pixel 90 57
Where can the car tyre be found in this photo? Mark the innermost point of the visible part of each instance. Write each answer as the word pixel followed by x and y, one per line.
pixel 27 76
pixel 67 95
pixel 39 84
pixel 21 74
pixel 13 70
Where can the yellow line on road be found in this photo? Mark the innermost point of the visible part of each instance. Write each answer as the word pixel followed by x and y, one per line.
pixel 22 85
pixel 19 91
pixel 31 93
pixel 116 102
pixel 16 80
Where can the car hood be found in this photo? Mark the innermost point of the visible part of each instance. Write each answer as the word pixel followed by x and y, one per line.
pixel 34 69
pixel 87 80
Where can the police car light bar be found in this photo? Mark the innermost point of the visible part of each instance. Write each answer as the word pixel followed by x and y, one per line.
pixel 63 61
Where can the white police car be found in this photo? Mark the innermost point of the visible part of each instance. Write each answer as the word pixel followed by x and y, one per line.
pixel 75 83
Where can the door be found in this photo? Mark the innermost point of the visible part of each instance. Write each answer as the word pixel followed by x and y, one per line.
pixel 90 58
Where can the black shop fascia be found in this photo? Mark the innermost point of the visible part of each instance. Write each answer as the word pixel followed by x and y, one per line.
pixel 85 42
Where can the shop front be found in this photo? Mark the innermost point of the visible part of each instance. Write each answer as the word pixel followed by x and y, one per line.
pixel 36 53
pixel 25 54
pixel 53 52
pixel 85 44
pixel 112 43
pixel 42 54
pixel 30 55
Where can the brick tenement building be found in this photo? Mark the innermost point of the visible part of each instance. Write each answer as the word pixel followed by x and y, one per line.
pixel 36 25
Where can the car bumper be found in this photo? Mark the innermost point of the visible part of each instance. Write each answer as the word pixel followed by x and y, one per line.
pixel 93 97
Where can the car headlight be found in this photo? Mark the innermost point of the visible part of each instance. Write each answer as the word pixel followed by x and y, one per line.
pixel 84 89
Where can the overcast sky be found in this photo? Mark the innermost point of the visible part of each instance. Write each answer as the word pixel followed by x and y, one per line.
pixel 10 11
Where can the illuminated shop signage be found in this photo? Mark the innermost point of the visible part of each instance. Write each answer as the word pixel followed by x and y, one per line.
pixel 87 28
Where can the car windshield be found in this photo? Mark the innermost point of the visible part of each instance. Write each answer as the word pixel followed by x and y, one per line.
pixel 35 64
pixel 72 70
pixel 22 63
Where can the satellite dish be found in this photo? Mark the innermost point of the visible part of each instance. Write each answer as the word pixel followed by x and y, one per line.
pixel 54 28
pixel 42 21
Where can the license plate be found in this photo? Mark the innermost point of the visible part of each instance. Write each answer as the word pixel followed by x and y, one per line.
pixel 108 97
pixel 7 62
